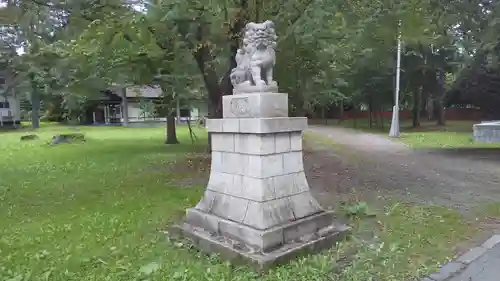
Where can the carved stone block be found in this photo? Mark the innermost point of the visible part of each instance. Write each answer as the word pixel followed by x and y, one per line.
pixel 255 105
pixel 259 126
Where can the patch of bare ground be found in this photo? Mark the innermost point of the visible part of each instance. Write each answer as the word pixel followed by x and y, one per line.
pixel 192 169
pixel 373 163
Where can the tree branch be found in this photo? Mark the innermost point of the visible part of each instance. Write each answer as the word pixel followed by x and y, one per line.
pixel 277 12
pixel 93 5
pixel 294 22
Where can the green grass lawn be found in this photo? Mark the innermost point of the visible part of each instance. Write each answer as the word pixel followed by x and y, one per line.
pixel 87 211
pixel 454 135
pixel 95 211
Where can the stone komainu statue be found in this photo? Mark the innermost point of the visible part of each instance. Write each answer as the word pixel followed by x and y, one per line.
pixel 255 60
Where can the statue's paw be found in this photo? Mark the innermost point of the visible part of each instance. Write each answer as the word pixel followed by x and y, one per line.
pixel 260 83
pixel 256 63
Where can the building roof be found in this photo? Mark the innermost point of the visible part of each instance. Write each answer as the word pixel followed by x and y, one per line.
pixel 151 92
pixel 143 91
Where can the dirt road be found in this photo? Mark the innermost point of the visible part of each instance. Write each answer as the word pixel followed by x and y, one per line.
pixel 372 165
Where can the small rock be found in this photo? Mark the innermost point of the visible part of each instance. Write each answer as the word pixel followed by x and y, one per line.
pixel 239 246
pixel 308 237
pixel 67 138
pixel 29 137
pixel 326 230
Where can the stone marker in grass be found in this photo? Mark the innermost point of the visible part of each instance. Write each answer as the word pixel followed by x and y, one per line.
pixel 487 132
pixel 68 138
pixel 257 205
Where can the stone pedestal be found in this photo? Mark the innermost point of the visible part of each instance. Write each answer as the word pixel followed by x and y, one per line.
pixel 487 132
pixel 257 204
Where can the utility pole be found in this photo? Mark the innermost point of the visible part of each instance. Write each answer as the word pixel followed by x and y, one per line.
pixel 394 132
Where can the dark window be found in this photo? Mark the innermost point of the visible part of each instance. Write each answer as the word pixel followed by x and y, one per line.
pixel 2 80
pixel 185 113
pixel 117 110
pixel 4 104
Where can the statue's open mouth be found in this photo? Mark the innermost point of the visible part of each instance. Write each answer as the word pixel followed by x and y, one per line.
pixel 261 45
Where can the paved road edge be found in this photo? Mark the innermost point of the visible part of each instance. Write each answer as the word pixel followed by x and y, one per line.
pixel 454 267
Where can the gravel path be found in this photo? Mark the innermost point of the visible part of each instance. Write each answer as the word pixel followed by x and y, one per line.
pixel 378 166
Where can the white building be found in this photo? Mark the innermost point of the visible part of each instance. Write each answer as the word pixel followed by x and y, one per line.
pixel 10 106
pixel 9 111
pixel 138 109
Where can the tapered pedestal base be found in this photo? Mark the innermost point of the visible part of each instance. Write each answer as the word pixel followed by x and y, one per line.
pixel 258 205
pixel 302 237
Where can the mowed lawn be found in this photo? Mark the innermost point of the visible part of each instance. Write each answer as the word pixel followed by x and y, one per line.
pixel 455 134
pixel 90 211
pixel 96 211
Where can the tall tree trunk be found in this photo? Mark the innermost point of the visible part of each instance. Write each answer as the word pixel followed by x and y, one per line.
pixel 430 109
pixel 439 101
pixel 382 120
pixel 297 96
pixel 171 130
pixel 341 109
pixel 355 111
pixel 169 103
pixel 124 107
pixel 440 112
pixel 258 8
pixel 35 102
pixel 370 110
pixel 423 103
pixel 213 87
pixel 35 109
pixel 235 33
pixel 417 99
pixel 204 58
pixel 211 81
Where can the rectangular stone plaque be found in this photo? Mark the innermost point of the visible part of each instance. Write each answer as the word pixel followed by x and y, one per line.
pixel 255 105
